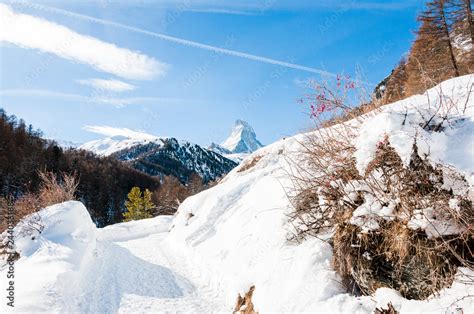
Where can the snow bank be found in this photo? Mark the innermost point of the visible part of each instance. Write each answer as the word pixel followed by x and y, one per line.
pixel 48 259
pixel 72 267
pixel 448 106
pixel 127 231
pixel 236 231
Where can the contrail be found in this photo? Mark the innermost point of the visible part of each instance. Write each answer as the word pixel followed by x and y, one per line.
pixel 175 39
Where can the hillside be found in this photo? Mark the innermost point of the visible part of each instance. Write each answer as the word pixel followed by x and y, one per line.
pixel 233 238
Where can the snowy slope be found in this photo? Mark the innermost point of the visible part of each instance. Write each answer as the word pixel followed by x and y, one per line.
pixel 109 145
pixel 52 261
pixel 65 144
pixel 237 230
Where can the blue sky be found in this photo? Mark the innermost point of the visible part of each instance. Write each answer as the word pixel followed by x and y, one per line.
pixel 62 71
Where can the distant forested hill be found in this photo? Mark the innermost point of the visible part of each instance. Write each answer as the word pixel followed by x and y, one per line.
pixel 103 182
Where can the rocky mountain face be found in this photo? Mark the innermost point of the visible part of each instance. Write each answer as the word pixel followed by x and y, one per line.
pixel 176 158
pixel 242 139
pixel 241 142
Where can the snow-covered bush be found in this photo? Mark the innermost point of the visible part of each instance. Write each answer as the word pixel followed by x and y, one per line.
pixel 395 200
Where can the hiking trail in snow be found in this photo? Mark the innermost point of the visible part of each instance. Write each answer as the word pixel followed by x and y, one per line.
pixel 142 275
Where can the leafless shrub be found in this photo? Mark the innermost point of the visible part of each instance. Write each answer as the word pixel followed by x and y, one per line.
pixel 54 191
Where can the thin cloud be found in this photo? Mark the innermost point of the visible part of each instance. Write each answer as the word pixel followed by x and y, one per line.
pixel 258 7
pixel 183 41
pixel 108 85
pixel 93 99
pixel 112 131
pixel 36 33
pixel 223 11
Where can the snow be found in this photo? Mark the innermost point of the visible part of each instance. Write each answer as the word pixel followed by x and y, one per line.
pixel 402 122
pixel 242 139
pixel 72 267
pixel 233 236
pixel 110 145
pixel 65 144
pixel 116 139
pixel 50 260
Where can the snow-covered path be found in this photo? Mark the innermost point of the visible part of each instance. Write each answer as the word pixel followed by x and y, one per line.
pixel 73 267
pixel 142 275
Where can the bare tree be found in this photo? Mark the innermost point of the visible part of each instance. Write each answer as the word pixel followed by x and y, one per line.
pixel 436 28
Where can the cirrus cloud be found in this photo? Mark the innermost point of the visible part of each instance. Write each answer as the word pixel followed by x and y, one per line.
pixel 109 85
pixel 31 32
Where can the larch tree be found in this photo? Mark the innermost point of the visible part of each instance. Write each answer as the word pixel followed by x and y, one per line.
pixel 433 57
pixel 438 30
pixel 470 23
pixel 460 14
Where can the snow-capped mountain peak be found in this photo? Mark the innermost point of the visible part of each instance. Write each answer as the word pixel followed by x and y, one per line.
pixel 242 139
pixel 117 139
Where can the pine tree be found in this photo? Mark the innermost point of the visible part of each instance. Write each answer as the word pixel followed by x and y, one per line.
pixel 133 205
pixel 147 203
pixel 138 205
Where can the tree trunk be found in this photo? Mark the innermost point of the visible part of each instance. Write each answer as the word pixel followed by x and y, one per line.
pixel 448 37
pixel 469 19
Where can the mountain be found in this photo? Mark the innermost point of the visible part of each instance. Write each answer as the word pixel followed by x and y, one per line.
pixel 65 144
pixel 162 156
pixel 241 142
pixel 176 158
pixel 109 145
pixel 242 139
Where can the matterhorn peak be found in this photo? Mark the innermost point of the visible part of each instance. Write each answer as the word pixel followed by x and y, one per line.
pixel 242 139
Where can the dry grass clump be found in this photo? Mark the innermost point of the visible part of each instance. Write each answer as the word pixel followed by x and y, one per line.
pixel 244 304
pixel 249 164
pixel 415 249
pixel 368 261
pixel 389 310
